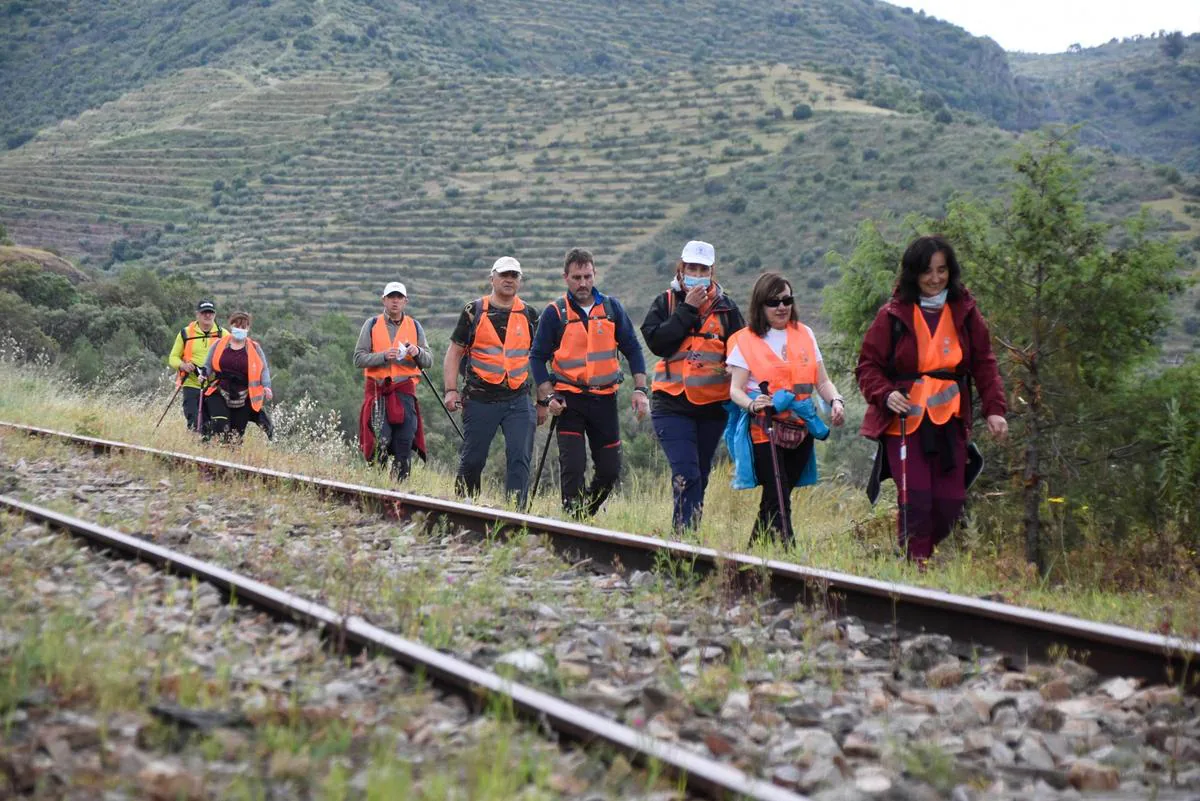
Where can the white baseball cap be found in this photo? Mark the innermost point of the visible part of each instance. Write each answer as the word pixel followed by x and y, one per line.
pixel 394 286
pixel 506 264
pixel 697 252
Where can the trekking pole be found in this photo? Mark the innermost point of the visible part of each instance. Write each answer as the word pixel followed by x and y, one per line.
pixel 784 523
pixel 442 403
pixel 170 403
pixel 904 481
pixel 537 476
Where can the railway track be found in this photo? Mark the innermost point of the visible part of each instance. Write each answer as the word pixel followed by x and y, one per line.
pixel 1024 635
pixel 701 775
pixel 167 691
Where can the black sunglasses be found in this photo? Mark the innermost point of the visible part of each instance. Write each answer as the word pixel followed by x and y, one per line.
pixel 774 302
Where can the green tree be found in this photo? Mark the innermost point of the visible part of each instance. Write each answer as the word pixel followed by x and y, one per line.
pixel 1172 44
pixel 37 286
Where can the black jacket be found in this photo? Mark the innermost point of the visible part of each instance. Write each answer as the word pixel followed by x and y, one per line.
pixel 664 332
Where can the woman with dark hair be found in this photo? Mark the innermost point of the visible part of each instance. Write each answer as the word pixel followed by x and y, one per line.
pixel 775 367
pixel 914 369
pixel 688 326
pixel 239 380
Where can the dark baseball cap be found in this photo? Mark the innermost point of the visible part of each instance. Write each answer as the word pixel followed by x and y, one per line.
pixel 206 305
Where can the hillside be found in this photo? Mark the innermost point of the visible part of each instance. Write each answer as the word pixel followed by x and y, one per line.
pixel 1138 97
pixel 377 140
pixel 61 57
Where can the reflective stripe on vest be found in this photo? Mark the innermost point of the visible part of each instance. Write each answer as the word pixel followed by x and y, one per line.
pixel 496 363
pixel 938 398
pixel 254 370
pixel 797 372
pixel 586 359
pixel 697 369
pixel 190 334
pixel 402 368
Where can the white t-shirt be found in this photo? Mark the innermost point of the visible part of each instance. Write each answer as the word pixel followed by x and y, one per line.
pixel 776 340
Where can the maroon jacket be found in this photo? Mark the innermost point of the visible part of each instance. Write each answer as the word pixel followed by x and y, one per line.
pixel 874 362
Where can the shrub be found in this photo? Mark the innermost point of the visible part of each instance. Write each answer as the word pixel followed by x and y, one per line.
pixel 18 139
pixel 802 111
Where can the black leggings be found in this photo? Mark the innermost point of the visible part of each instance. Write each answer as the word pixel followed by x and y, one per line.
pixel 791 465
pixel 223 421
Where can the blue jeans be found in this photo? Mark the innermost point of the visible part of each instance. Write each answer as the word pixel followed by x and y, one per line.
pixel 689 444
pixel 518 420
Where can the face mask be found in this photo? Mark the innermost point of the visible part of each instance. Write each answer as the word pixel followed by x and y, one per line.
pixel 936 302
pixel 690 281
pixel 239 334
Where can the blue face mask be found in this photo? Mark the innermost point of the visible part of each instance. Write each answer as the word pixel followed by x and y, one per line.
pixel 690 281
pixel 239 334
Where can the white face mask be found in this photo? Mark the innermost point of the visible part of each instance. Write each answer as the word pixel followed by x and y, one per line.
pixel 690 281
pixel 936 302
pixel 239 334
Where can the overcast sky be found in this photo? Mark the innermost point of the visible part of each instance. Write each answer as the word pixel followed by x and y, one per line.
pixel 1051 26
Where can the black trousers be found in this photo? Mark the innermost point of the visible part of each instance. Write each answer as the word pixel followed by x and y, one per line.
pixel 223 421
pixel 593 417
pixel 191 405
pixel 791 466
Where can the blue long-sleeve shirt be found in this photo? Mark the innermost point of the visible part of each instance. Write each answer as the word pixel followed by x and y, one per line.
pixel 550 328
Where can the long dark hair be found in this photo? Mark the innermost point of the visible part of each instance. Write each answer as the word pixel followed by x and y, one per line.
pixel 766 287
pixel 916 261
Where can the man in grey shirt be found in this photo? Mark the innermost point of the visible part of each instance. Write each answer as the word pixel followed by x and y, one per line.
pixel 392 351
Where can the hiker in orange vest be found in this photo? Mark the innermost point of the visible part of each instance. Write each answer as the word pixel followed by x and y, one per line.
pixel 239 380
pixel 188 355
pixel 777 350
pixel 581 334
pixel 688 326
pixel 392 351
pixel 495 334
pixel 916 360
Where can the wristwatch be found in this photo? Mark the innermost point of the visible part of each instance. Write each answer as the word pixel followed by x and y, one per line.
pixel 544 401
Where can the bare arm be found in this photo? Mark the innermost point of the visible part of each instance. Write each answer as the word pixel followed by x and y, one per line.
pixel 737 392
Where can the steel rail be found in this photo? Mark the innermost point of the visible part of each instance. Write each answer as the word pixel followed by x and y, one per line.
pixel 711 778
pixel 1024 635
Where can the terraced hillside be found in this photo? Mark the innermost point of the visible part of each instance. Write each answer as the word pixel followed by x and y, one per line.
pixel 319 187
pixel 59 58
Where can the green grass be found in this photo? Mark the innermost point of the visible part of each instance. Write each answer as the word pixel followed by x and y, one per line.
pixel 102 665
pixel 835 527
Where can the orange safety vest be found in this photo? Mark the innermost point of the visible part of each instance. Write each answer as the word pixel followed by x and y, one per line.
pixel 495 362
pixel 699 364
pixel 797 373
pixel 190 333
pixel 586 359
pixel 254 370
pixel 938 398
pixel 402 368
